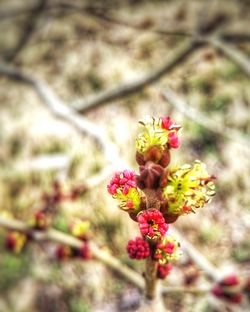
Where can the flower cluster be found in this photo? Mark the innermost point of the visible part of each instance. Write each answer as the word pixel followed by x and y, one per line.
pixel 152 224
pixel 162 132
pixel 79 228
pixel 64 252
pixel 158 195
pixel 163 270
pixel 15 241
pixel 123 187
pixel 39 220
pixel 188 187
pixel 167 250
pixel 138 248
pixel 228 289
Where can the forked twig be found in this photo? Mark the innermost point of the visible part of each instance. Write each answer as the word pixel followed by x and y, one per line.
pixel 206 122
pixel 59 109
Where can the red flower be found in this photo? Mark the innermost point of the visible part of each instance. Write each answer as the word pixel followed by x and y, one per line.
pixel 163 270
pixel 166 122
pixel 226 290
pixel 173 140
pixel 123 181
pixel 84 252
pixel 219 292
pixel 230 280
pixel 138 248
pixel 63 252
pixel 152 223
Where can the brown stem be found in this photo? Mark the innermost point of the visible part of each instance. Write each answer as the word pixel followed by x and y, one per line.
pixel 150 279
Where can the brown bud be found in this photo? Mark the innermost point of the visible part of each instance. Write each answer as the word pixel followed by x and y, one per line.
pixel 140 159
pixel 155 154
pixel 133 216
pixel 150 176
pixel 165 159
pixel 170 217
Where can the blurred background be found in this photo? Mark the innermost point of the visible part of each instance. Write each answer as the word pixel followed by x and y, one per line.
pixel 79 50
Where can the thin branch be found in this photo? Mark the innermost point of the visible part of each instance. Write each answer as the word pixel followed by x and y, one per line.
pixel 63 238
pixel 209 269
pixel 232 53
pixel 95 11
pixel 27 32
pixel 206 122
pixel 98 253
pixel 59 109
pixel 124 90
pixel 113 20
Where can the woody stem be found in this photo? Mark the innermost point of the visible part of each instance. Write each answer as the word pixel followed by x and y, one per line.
pixel 150 279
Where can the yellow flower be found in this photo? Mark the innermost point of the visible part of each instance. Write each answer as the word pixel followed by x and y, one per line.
pixel 188 187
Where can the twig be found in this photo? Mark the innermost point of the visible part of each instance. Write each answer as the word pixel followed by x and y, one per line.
pixel 178 56
pixel 232 53
pixel 96 11
pixel 210 270
pixel 98 253
pixel 27 31
pixel 206 122
pixel 112 20
pixel 59 109
pixel 62 238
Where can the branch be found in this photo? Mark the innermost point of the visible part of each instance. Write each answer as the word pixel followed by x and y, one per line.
pixel 99 254
pixel 62 238
pixel 178 56
pixel 60 110
pixel 232 53
pixel 27 31
pixel 95 11
pixel 206 122
pixel 210 270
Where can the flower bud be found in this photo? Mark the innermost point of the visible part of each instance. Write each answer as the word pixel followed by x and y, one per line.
pixel 39 221
pixel 79 228
pixel 158 134
pixel 152 223
pixel 138 248
pixel 188 187
pixel 167 250
pixel 163 270
pixel 84 252
pixel 150 176
pixel 15 241
pixel 123 187
pixel 64 252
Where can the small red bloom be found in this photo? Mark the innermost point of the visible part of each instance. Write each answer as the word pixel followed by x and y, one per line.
pixel 152 223
pixel 230 280
pixel 122 181
pixel 173 140
pixel 40 220
pixel 163 270
pixel 63 252
pixel 138 248
pixel 166 122
pixel 223 291
pixel 84 252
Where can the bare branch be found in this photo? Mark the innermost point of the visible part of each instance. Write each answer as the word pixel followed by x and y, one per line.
pixel 97 12
pixel 232 53
pixel 29 28
pixel 206 122
pixel 116 93
pixel 98 253
pixel 62 238
pixel 59 109
pixel 209 269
